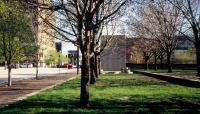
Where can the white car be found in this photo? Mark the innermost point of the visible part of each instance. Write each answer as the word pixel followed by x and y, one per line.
pixel 23 65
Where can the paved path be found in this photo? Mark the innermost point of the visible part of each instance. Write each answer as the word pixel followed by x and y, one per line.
pixel 176 79
pixel 28 87
pixel 24 73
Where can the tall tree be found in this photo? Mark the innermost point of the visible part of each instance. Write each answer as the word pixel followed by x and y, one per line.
pixel 14 32
pixel 190 10
pixel 75 24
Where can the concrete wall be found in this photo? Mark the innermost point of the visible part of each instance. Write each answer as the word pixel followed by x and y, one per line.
pixel 113 57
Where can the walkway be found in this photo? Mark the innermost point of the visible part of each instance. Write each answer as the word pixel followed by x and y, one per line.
pixel 184 80
pixel 25 73
pixel 28 87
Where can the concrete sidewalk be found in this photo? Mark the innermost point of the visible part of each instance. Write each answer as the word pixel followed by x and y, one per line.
pixel 25 73
pixel 28 87
pixel 184 81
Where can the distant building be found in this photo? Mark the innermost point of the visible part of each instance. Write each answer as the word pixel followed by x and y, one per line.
pixel 45 35
pixel 113 58
pixel 72 56
pixel 59 46
pixel 183 54
pixel 121 50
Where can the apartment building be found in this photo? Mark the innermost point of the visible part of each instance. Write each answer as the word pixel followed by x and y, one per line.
pixel 43 20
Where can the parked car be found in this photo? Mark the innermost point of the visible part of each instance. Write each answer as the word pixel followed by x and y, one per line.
pixel 70 66
pixel 23 65
pixel 59 66
pixel 65 66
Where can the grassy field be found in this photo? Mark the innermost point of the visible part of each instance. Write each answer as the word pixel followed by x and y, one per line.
pixel 113 94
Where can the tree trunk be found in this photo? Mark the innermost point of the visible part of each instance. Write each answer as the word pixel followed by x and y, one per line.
pixel 169 66
pixel 197 46
pixel 155 62
pixel 77 64
pixel 99 65
pixel 161 62
pixel 5 66
pixel 96 66
pixel 84 97
pixel 198 58
pixel 92 71
pixel 146 63
pixel 36 74
pixel 9 74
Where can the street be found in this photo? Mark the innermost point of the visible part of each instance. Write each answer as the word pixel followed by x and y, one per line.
pixel 24 73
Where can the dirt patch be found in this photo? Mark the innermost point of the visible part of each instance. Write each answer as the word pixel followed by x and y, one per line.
pixel 147 78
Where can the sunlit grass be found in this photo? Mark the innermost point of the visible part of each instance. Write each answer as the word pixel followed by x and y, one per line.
pixel 113 93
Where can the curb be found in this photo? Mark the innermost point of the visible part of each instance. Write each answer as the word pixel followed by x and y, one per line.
pixel 172 79
pixel 36 92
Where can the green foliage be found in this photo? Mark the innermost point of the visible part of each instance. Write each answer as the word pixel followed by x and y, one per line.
pixel 113 94
pixel 51 57
pixel 62 58
pixel 31 52
pixel 15 31
pixel 54 57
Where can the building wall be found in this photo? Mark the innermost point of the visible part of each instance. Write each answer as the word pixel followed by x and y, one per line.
pixel 45 34
pixel 113 58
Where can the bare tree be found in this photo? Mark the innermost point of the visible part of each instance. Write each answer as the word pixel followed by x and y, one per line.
pixel 164 22
pixel 145 45
pixel 190 10
pixel 76 25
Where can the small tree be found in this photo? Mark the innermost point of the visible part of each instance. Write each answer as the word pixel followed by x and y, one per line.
pixel 14 29
pixel 61 58
pixel 51 58
pixel 145 46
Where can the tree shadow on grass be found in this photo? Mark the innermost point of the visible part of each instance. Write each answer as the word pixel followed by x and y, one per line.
pixel 172 104
pixel 117 104
pixel 127 82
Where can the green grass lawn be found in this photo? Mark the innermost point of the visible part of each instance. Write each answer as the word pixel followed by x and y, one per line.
pixel 113 94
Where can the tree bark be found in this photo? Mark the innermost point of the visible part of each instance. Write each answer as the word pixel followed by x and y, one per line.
pixel 99 65
pixel 84 97
pixel 198 58
pixel 9 74
pixel 169 66
pixel 96 66
pixel 146 63
pixel 161 62
pixel 155 62
pixel 36 74
pixel 5 65
pixel 92 71
pixel 77 64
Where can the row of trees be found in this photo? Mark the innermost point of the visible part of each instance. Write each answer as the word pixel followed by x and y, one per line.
pixel 164 21
pixel 81 22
